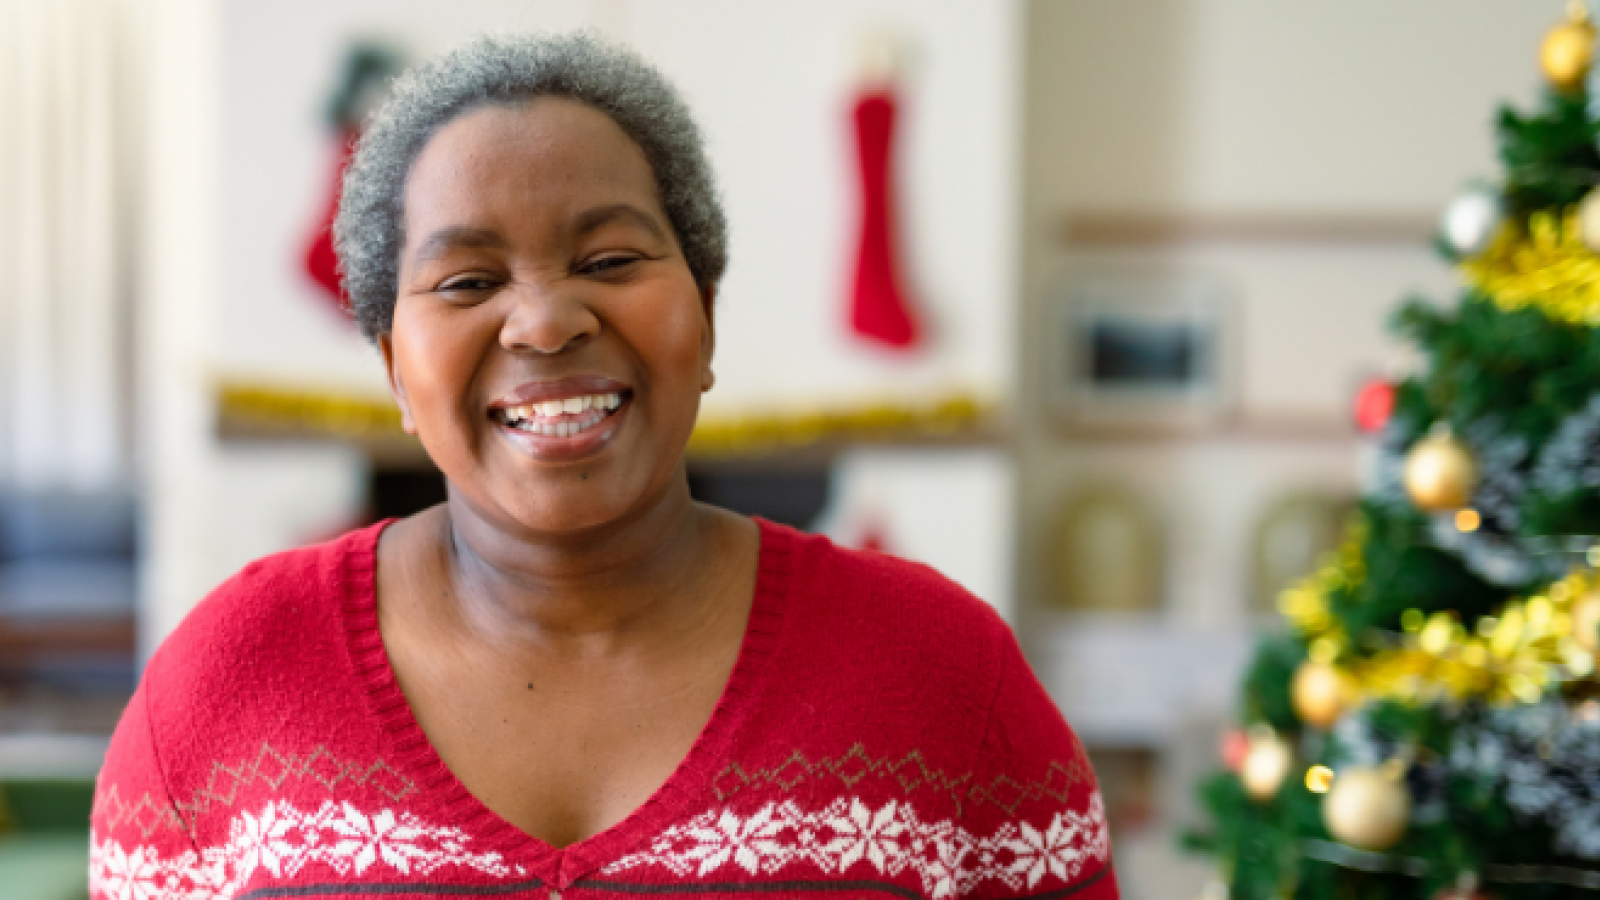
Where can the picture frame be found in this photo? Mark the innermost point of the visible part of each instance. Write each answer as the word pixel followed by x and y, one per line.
pixel 1106 552
pixel 1141 350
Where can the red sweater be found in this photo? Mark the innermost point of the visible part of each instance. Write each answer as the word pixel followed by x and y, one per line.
pixel 881 735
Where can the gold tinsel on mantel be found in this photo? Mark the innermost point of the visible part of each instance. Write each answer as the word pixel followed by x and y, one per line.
pixel 247 410
pixel 1548 267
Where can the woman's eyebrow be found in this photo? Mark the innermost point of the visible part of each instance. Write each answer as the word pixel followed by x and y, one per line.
pixel 452 236
pixel 590 219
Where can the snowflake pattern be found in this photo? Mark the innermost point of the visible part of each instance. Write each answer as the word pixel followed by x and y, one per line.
pixel 281 841
pixel 847 837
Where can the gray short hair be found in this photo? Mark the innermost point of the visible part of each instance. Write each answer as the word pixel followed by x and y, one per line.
pixel 369 230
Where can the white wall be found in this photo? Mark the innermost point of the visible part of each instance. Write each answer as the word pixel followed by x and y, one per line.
pixel 771 83
pixel 178 279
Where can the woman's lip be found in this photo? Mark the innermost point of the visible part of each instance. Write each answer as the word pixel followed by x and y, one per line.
pixel 558 389
pixel 584 444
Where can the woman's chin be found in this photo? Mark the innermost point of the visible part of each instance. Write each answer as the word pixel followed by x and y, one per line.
pixel 568 506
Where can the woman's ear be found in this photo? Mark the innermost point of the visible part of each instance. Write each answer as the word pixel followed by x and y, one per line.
pixel 708 341
pixel 397 387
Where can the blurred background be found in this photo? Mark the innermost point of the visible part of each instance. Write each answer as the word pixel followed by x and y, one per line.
pixel 1069 299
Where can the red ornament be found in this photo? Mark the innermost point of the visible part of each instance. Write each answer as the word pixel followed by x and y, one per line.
pixel 1374 405
pixel 1235 747
pixel 879 310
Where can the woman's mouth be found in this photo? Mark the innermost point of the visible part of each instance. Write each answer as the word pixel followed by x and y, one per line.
pixel 565 417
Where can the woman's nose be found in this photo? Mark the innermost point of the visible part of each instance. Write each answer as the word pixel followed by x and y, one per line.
pixel 547 319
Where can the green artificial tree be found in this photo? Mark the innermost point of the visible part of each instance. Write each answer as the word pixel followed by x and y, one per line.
pixel 1428 723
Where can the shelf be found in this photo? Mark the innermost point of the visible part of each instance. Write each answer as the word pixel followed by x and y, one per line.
pixel 29 638
pixel 1112 229
pixel 52 755
pixel 1311 429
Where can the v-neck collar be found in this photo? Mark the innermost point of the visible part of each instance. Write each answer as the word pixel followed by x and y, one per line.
pixel 689 784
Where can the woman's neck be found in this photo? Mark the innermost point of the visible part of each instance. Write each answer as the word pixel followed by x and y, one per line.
pixel 652 576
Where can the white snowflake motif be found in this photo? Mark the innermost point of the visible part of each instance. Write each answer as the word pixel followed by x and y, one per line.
pixel 746 842
pixel 1057 850
pixel 944 874
pixel 282 840
pixel 874 836
pixel 366 840
pixel 259 841
pixel 947 859
pixel 126 876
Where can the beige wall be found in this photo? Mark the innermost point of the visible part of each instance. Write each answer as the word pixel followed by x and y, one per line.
pixel 1359 105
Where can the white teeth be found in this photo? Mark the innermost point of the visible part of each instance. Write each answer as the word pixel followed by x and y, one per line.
pixel 527 416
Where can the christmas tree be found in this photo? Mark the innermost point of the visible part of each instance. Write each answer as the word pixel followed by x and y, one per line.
pixel 1428 724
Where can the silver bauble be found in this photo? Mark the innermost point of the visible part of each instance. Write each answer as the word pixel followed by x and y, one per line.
pixel 1471 220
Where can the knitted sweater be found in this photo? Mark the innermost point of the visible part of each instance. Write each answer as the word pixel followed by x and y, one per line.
pixel 881 736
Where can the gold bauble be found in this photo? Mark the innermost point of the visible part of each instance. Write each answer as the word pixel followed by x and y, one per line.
pixel 1266 765
pixel 1586 621
pixel 1321 693
pixel 1440 474
pixel 1367 809
pixel 1568 51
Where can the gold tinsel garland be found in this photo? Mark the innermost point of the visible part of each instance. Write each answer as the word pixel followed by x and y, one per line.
pixel 252 407
pixel 1526 648
pixel 273 408
pixel 724 435
pixel 1548 267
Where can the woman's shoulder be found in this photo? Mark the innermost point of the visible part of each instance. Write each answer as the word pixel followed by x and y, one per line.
pixel 271 616
pixel 869 586
pixel 246 699
pixel 853 618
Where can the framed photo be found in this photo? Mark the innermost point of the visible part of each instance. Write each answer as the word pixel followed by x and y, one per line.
pixel 1141 350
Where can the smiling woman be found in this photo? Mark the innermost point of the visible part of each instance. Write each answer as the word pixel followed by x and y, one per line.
pixel 569 679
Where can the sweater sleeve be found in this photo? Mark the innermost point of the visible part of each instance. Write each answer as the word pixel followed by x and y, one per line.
pixel 1037 795
pixel 140 844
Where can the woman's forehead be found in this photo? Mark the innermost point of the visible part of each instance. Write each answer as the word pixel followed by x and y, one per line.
pixel 551 155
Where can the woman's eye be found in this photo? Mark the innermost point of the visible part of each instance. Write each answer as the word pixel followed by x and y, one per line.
pixel 609 265
pixel 466 284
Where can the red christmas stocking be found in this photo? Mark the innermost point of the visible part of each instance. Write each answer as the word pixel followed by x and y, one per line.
pixel 322 264
pixel 879 310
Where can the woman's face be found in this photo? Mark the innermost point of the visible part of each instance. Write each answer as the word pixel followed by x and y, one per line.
pixel 549 344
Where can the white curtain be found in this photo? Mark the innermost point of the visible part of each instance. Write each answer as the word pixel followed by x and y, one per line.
pixel 66 177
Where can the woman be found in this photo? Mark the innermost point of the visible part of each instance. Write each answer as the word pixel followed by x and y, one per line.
pixel 570 680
